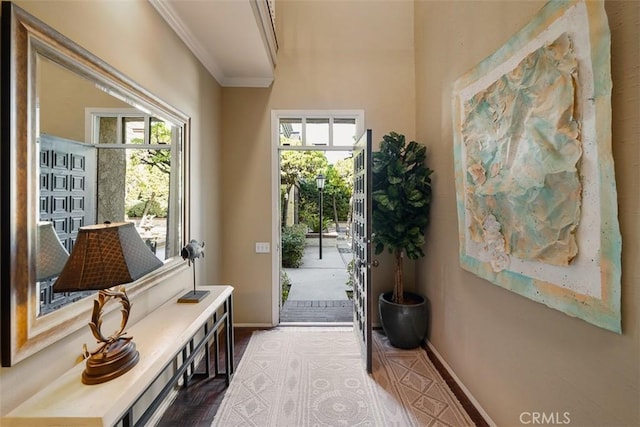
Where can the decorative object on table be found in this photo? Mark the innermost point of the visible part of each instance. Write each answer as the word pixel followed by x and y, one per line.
pixel 191 252
pixel 52 256
pixel 535 180
pixel 401 198
pixel 105 256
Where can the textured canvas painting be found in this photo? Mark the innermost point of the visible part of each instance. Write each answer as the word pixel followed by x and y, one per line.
pixel 537 205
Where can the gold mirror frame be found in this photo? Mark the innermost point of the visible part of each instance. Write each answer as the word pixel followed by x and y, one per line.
pixel 24 37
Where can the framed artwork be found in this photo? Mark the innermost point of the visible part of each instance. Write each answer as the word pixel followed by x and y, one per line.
pixel 535 183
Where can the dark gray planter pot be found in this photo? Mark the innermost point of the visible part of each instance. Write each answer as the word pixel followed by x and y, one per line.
pixel 405 325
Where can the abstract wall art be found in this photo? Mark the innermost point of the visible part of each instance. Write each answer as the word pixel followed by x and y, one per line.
pixel 535 183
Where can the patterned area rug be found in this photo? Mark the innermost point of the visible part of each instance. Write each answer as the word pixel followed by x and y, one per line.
pixel 294 377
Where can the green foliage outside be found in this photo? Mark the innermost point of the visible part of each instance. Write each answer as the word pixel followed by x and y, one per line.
pixel 147 186
pixel 337 192
pixel 152 207
pixel 293 242
pixel 285 283
pixel 296 167
pixel 350 282
pixel 299 169
pixel 308 207
pixel 148 173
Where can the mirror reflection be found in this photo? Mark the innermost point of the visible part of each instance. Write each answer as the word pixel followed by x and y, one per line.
pixel 100 159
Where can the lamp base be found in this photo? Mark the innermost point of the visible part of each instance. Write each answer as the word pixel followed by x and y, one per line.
pixel 114 361
pixel 193 297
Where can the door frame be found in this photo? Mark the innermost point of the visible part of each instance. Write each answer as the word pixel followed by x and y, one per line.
pixel 276 115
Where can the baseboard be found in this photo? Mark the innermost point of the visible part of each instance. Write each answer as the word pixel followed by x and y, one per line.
pixel 253 325
pixel 269 325
pixel 460 384
pixel 319 324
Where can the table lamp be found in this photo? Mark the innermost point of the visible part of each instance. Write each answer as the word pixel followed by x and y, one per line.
pixel 106 256
pixel 52 256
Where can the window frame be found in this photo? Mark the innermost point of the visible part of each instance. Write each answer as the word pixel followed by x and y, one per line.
pixel 304 115
pixel 92 129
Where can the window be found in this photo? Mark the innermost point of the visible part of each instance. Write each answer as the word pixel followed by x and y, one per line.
pixel 134 180
pixel 319 129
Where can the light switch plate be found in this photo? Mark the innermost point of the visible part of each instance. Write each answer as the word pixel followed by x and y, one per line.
pixel 262 247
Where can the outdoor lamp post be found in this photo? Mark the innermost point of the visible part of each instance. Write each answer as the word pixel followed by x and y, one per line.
pixel 320 184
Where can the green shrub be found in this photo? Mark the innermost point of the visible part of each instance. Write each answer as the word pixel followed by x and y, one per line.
pixel 155 209
pixel 285 282
pixel 293 242
pixel 313 221
pixel 350 281
pixel 350 268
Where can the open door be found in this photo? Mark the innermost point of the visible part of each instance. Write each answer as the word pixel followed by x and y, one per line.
pixel 361 245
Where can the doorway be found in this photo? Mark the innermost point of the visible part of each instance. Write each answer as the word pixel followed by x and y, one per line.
pixel 312 227
pixel 316 251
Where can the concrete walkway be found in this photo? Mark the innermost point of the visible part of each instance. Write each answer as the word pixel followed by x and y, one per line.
pixel 320 279
pixel 318 286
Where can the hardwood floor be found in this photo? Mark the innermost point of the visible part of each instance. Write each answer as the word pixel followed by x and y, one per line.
pixel 197 404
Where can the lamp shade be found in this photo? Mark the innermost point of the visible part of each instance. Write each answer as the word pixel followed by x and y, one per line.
pixel 320 181
pixel 106 255
pixel 52 256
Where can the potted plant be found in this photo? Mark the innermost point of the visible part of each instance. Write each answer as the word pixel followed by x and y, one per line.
pixel 401 198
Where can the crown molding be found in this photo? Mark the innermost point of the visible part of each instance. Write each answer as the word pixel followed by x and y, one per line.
pixel 177 24
pixel 168 13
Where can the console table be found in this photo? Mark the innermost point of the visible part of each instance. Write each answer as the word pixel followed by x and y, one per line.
pixel 169 339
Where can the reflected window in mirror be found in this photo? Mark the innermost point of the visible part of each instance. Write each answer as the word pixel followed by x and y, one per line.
pixel 144 148
pixel 103 161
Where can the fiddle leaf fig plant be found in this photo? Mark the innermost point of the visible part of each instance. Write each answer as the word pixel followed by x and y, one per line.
pixel 401 198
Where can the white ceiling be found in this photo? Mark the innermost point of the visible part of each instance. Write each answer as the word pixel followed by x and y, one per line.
pixel 233 39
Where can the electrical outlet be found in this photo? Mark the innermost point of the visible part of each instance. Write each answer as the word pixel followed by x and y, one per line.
pixel 262 247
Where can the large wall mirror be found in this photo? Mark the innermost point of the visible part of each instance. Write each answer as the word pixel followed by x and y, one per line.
pixel 81 144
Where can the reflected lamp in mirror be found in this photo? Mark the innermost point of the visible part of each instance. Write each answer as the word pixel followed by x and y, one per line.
pixel 191 251
pixel 105 256
pixel 52 256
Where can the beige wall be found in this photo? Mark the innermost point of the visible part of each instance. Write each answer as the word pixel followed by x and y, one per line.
pixel 333 55
pixel 513 354
pixel 62 99
pixel 133 38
